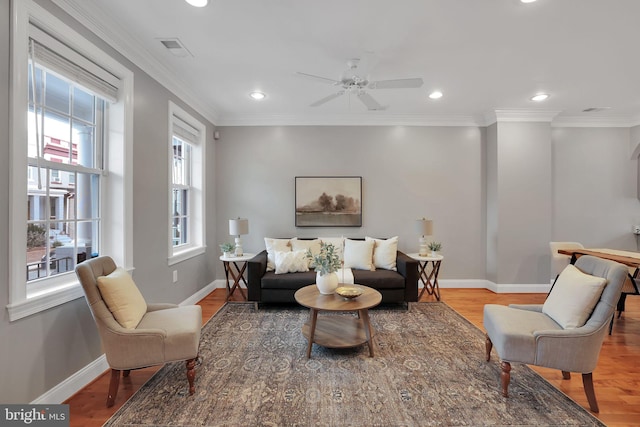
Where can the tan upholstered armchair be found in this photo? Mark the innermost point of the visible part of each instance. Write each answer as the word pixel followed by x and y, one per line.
pixel 529 334
pixel 164 333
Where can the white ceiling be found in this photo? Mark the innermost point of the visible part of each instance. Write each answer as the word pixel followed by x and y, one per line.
pixel 484 55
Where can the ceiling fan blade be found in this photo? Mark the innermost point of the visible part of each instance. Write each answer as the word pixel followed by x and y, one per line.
pixel 370 103
pixel 327 99
pixel 396 84
pixel 319 78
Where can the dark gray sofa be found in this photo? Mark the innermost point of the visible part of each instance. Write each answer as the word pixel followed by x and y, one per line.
pixel 395 286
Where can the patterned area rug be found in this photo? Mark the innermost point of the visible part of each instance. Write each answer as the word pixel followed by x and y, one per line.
pixel 429 369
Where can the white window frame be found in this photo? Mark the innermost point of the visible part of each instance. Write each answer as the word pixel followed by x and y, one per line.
pixel 116 197
pixel 196 203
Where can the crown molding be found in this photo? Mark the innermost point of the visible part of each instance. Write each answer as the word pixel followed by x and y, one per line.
pixel 595 122
pixel 519 115
pixel 350 120
pixel 116 36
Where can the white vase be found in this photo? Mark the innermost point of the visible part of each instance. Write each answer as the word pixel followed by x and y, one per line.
pixel 327 283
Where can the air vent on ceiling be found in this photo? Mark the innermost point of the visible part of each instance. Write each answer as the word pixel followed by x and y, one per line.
pixel 176 47
pixel 595 109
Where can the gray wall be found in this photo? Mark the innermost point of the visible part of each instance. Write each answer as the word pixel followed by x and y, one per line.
pixel 498 195
pixel 40 351
pixel 407 173
pixel 595 193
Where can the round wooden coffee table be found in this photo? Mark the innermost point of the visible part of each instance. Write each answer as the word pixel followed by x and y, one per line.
pixel 338 331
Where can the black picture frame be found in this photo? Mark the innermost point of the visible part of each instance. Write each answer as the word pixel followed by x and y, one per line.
pixel 328 201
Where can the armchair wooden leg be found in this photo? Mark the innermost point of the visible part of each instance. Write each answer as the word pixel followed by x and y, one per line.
pixel 126 372
pixel 566 375
pixel 587 382
pixel 191 374
pixel 488 345
pixel 113 387
pixel 505 377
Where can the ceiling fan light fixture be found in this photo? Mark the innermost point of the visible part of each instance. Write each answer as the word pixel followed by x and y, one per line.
pixel 436 94
pixel 540 97
pixel 257 95
pixel 197 3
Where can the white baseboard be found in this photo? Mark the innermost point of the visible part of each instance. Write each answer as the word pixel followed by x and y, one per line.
pixel 74 383
pixel 497 288
pixel 84 376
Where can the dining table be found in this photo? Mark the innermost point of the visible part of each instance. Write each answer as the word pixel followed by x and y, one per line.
pixel 628 258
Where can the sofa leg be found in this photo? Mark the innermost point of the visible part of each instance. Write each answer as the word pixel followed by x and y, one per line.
pixel 113 387
pixel 566 375
pixel 587 382
pixel 505 377
pixel 191 374
pixel 488 345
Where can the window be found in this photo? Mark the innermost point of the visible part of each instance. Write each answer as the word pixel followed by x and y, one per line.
pixel 70 160
pixel 65 139
pixel 186 210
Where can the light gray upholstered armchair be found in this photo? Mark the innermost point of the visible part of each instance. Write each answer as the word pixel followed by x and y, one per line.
pixel 524 334
pixel 166 332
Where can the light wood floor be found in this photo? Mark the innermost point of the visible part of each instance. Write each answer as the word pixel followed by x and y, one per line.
pixel 616 379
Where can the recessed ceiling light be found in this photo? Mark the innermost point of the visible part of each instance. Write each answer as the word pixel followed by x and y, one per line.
pixel 527 1
pixel 198 3
pixel 436 94
pixel 257 95
pixel 539 97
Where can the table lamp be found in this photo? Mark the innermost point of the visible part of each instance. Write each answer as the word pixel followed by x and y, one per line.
pixel 425 228
pixel 238 227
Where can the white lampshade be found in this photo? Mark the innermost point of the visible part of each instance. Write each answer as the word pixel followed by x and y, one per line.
pixel 425 227
pixel 238 226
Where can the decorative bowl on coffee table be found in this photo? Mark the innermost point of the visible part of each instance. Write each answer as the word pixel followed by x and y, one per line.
pixel 349 292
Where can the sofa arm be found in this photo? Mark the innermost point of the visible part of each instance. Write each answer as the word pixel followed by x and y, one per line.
pixel 408 268
pixel 256 267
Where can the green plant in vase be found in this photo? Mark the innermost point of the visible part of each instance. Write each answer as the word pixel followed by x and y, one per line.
pixel 326 262
pixel 227 249
pixel 435 247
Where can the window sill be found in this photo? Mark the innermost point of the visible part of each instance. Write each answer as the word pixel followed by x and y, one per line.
pixel 44 301
pixel 185 255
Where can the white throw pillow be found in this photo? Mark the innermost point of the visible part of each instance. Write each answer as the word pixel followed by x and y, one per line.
pixel 358 254
pixel 385 252
pixel 573 297
pixel 273 245
pixel 304 245
pixel 337 242
pixel 291 262
pixel 123 298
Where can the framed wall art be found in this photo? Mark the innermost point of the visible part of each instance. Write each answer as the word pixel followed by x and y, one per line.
pixel 328 201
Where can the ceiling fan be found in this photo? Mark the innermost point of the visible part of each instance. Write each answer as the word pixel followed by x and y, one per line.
pixel 355 82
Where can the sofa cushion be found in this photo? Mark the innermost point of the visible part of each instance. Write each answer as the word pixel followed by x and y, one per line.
pixel 273 245
pixel 304 245
pixel 379 279
pixel 358 254
pixel 384 252
pixel 291 262
pixel 294 281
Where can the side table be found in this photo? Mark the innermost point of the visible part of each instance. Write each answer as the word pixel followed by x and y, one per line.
pixel 231 268
pixel 428 269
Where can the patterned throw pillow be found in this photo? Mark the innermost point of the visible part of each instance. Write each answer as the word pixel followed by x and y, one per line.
pixel 291 262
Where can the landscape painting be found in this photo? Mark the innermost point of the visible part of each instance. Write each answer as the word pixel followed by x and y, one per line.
pixel 328 201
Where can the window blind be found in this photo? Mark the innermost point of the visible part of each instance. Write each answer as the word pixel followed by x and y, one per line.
pixel 185 131
pixel 54 55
